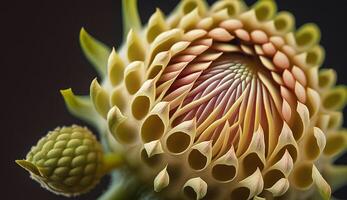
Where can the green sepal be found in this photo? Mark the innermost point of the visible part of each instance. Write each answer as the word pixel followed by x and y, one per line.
pixel 79 106
pixel 30 167
pixel 96 52
pixel 131 19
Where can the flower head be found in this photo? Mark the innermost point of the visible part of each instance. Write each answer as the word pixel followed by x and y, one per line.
pixel 220 102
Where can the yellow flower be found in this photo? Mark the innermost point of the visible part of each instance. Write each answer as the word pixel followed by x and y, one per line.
pixel 218 102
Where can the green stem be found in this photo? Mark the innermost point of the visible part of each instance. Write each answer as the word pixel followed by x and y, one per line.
pixel 121 189
pixel 114 193
pixel 112 161
pixel 102 130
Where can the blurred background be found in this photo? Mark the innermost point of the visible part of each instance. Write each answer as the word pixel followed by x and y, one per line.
pixel 40 54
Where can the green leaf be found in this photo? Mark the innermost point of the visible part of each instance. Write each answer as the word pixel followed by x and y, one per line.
pixel 131 19
pixel 96 52
pixel 80 106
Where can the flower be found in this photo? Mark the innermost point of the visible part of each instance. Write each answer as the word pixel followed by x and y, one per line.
pixel 220 102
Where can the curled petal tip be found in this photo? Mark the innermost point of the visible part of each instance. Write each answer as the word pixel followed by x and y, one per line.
pixel 100 98
pixel 195 188
pixel 162 180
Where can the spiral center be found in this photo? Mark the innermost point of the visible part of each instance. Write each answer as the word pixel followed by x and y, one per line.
pixel 231 95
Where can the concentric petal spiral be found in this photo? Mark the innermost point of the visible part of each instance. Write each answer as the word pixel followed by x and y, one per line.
pixel 220 102
pixel 226 103
pixel 229 96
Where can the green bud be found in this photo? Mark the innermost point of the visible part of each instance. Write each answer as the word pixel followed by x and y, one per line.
pixel 67 161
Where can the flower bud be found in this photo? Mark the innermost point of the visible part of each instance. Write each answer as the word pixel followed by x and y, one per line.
pixel 67 161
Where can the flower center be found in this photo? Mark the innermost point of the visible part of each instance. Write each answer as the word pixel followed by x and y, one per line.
pixel 227 97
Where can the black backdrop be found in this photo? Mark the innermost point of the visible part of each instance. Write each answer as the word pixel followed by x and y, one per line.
pixel 40 54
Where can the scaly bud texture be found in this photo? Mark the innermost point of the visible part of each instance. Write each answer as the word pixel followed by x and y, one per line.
pixel 219 102
pixel 68 161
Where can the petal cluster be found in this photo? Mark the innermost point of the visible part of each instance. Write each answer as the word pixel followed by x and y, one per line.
pixel 219 102
pixel 227 100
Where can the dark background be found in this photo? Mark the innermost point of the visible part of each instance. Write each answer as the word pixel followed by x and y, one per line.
pixel 40 54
